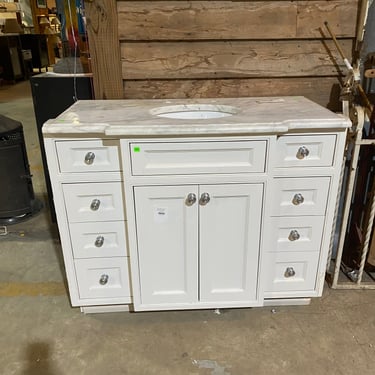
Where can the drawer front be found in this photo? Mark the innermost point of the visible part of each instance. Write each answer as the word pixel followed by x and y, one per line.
pixel 305 151
pixel 300 196
pixel 294 233
pixel 101 239
pixel 287 272
pixel 103 277
pixel 197 157
pixel 88 156
pixel 94 201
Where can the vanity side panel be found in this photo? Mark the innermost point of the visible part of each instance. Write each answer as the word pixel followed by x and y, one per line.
pixel 62 221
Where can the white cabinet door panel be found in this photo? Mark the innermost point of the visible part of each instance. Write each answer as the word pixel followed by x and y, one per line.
pixel 80 201
pixel 167 232
pixel 229 242
pixel 162 158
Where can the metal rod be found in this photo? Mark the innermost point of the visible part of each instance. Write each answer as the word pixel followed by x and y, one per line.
pixel 369 107
pixel 363 13
pixel 346 285
pixel 348 196
pixel 335 41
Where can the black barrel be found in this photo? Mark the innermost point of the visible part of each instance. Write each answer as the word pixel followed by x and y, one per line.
pixel 17 200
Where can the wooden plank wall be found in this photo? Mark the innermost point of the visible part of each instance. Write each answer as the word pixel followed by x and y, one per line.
pixel 189 49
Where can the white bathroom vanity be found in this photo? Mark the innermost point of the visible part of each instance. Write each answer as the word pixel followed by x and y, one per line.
pixel 195 204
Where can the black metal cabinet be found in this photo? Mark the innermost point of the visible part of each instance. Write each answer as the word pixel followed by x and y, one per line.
pixel 53 94
pixel 11 59
pixel 37 43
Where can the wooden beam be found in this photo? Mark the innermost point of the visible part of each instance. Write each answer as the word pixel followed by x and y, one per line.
pixel 324 91
pixel 200 20
pixel 101 18
pixel 219 59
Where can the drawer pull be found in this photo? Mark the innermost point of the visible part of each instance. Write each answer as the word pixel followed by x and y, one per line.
pixel 302 152
pixel 204 199
pixel 298 199
pixel 191 199
pixel 89 158
pixel 95 205
pixel 99 241
pixel 294 235
pixel 103 279
pixel 289 272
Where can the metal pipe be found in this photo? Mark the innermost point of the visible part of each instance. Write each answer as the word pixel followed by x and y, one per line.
pixel 348 196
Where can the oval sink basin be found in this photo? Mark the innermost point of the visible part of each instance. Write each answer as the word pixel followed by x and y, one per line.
pixel 194 111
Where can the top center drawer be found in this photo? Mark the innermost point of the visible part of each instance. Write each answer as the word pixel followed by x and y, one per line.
pixel 164 158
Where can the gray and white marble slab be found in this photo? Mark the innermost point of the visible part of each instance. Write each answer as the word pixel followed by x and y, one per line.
pixel 241 116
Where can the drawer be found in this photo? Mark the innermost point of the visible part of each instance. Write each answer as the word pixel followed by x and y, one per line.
pixel 98 239
pixel 103 277
pixel 294 233
pixel 299 196
pixel 94 201
pixel 305 151
pixel 162 158
pixel 88 156
pixel 287 272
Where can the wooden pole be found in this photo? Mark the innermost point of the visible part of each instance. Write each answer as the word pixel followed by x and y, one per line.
pixel 104 47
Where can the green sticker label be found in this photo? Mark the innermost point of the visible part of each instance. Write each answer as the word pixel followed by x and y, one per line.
pixel 136 149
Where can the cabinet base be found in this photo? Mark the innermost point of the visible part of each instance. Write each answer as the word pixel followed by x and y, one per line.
pixel 105 309
pixel 287 302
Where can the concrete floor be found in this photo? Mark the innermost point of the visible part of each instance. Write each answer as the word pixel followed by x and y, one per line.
pixel 41 334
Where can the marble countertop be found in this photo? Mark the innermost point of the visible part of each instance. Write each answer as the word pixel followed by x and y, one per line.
pixel 146 117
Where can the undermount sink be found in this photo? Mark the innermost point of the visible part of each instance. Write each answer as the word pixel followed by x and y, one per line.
pixel 194 111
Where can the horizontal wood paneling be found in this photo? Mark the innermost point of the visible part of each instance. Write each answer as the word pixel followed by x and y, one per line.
pixel 341 16
pixel 199 20
pixel 188 49
pixel 324 91
pixel 231 59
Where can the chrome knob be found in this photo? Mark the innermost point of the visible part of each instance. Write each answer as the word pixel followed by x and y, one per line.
pixel 298 199
pixel 204 199
pixel 103 279
pixel 289 272
pixel 95 204
pixel 294 235
pixel 99 241
pixel 302 152
pixel 89 158
pixel 190 199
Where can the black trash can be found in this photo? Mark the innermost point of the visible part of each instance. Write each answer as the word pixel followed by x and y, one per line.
pixel 17 200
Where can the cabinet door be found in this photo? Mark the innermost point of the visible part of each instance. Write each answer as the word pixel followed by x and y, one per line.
pixel 229 228
pixel 167 232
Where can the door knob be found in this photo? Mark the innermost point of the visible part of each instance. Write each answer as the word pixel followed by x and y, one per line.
pixel 190 199
pixel 294 235
pixel 103 279
pixel 289 272
pixel 89 158
pixel 99 241
pixel 204 199
pixel 95 205
pixel 298 199
pixel 302 152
